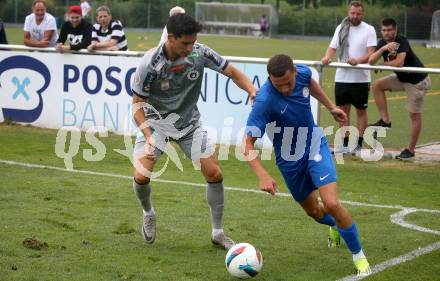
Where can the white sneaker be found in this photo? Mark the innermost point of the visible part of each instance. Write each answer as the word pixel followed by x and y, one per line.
pixel 223 241
pixel 148 229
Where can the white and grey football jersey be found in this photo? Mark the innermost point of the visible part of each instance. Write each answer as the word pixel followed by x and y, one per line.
pixel 174 86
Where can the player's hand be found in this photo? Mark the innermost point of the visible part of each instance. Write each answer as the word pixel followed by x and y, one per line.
pixel 326 60
pixel 338 114
pixel 352 61
pixel 268 185
pixel 150 149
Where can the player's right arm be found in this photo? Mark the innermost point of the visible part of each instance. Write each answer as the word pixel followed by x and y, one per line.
pixel 140 94
pixel 260 116
pixel 267 183
pixel 329 54
pixel 331 50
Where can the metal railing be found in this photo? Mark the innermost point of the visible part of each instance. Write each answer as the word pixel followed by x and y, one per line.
pixel 318 64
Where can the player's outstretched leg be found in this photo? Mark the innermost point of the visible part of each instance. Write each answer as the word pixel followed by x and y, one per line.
pixel 346 227
pixel 142 189
pixel 316 210
pixel 215 199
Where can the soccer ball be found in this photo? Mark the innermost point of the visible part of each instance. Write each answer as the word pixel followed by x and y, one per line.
pixel 243 261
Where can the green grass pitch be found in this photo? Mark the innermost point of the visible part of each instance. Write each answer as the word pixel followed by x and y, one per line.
pixel 91 222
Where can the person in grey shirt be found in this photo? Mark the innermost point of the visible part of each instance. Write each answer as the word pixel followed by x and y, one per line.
pixel 166 88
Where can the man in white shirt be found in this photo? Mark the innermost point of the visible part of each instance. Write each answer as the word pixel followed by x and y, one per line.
pixel 40 28
pixel 355 41
pixel 173 11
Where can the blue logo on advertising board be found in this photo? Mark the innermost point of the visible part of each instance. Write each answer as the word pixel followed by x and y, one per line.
pixel 18 64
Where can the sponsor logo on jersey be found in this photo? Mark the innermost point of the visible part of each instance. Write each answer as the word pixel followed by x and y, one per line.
pixel 306 92
pixel 178 68
pixel 193 75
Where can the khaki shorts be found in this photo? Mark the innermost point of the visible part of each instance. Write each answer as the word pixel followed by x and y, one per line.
pixel 415 92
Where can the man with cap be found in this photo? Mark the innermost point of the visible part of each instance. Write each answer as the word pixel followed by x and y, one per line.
pixel 76 31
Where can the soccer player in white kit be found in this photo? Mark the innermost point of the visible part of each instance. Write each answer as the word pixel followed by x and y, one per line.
pixel 167 83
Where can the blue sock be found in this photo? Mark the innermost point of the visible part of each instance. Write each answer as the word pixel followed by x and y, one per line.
pixel 327 219
pixel 351 238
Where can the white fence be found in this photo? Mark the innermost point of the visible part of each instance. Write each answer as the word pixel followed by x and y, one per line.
pixel 81 90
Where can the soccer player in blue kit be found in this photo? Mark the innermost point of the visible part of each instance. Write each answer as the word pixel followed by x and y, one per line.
pixel 282 111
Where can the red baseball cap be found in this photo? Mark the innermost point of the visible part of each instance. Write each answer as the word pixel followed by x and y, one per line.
pixel 74 9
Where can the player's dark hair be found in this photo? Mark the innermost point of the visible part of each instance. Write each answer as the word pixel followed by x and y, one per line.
pixel 388 22
pixel 356 4
pixel 278 65
pixel 183 24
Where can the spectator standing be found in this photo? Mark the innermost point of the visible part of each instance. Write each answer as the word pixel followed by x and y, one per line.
pixel 355 41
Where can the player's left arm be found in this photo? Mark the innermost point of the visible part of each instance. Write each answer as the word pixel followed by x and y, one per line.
pixel 318 93
pixel 241 80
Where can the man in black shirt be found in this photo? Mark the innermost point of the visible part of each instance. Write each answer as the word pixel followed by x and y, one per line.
pixel 76 31
pixel 396 51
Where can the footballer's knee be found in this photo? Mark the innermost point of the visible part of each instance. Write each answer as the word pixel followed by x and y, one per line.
pixel 332 206
pixel 140 179
pixel 314 213
pixel 214 175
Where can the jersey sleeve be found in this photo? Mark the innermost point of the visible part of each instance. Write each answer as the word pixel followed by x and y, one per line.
pixel 51 24
pixel 404 45
pixel 27 24
pixel 212 59
pixel 259 117
pixel 380 44
pixel 117 32
pixel 372 38
pixel 335 40
pixel 143 76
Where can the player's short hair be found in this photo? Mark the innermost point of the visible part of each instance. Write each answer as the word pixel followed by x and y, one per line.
pixel 388 22
pixel 39 1
pixel 356 4
pixel 183 24
pixel 103 9
pixel 278 65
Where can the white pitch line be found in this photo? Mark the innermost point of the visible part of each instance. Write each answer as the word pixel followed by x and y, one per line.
pixel 397 218
pixel 282 194
pixel 396 261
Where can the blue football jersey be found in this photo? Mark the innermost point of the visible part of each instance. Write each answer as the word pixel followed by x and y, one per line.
pixel 289 120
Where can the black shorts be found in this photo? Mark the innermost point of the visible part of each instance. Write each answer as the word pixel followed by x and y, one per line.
pixel 352 93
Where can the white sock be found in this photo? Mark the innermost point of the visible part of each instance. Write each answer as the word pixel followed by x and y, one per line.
pixel 359 256
pixel 216 232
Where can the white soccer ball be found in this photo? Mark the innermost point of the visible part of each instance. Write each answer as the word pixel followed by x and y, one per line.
pixel 244 261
